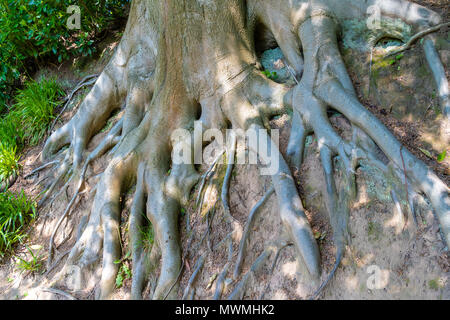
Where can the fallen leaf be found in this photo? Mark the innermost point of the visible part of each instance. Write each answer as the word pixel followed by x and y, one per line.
pixel 442 156
pixel 426 152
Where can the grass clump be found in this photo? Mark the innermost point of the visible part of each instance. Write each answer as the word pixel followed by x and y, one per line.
pixel 32 265
pixel 34 109
pixel 26 122
pixel 9 161
pixel 435 284
pixel 9 158
pixel 16 211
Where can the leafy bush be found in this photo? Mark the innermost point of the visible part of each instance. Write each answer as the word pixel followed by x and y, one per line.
pixel 33 30
pixel 33 111
pixel 16 211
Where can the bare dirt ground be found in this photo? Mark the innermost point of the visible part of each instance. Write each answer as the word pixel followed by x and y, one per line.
pixel 385 259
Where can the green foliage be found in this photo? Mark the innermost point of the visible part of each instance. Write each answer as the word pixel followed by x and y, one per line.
pixel 148 236
pixel 399 56
pixel 9 161
pixel 270 75
pixel 33 30
pixel 374 230
pixel 34 108
pixel 124 270
pixel 436 284
pixel 10 137
pixel 16 211
pixel 33 265
pixel 123 274
pixel 26 122
pixel 441 157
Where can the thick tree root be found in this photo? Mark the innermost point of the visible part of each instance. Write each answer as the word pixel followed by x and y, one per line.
pixel 339 257
pixel 85 82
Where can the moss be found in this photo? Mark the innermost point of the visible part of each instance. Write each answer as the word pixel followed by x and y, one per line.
pixel 357 35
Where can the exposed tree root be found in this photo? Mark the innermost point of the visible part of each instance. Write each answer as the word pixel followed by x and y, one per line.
pixel 45 166
pixel 85 82
pixel 239 290
pixel 272 269
pixel 248 227
pixel 197 268
pixel 329 277
pixel 59 292
pixel 168 83
pixel 221 278
pixel 416 37
pixel 206 176
pixel 231 153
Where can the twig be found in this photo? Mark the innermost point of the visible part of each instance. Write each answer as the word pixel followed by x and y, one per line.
pixel 291 72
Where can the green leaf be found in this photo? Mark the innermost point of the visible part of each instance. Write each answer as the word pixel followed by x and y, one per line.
pixel 426 152
pixel 119 280
pixel 441 157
